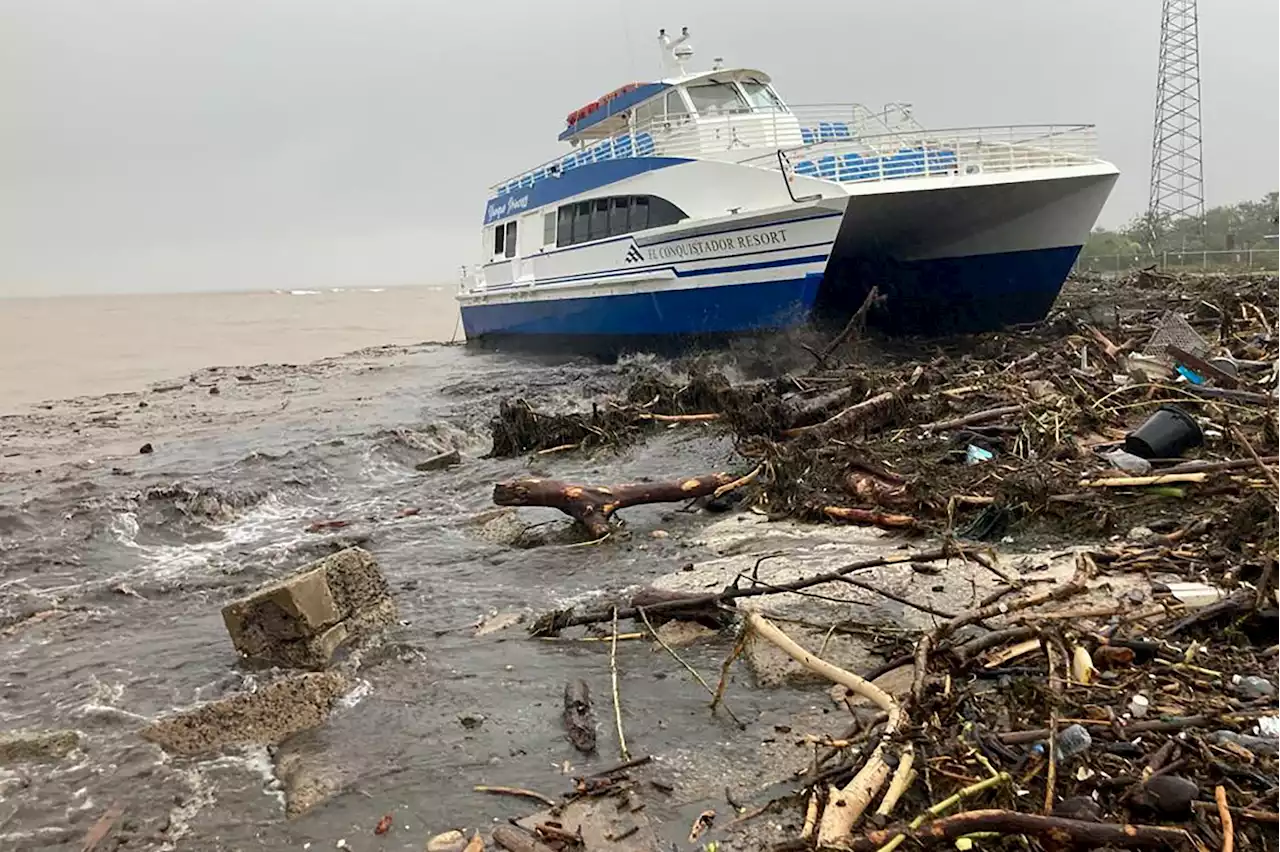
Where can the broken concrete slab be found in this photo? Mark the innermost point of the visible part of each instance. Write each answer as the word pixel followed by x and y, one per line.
pixel 265 716
pixel 37 746
pixel 302 620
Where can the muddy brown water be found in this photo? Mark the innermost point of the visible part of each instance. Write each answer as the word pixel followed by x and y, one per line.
pixel 137 552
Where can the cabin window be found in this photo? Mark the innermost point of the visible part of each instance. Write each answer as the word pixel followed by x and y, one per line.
pixel 564 227
pixel 639 214
pixel 548 229
pixel 645 113
pixel 618 214
pixel 581 214
pixel 599 219
pixel 510 248
pixel 675 106
pixel 717 99
pixel 497 240
pixel 760 95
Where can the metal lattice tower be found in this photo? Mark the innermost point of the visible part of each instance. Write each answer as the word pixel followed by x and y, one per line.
pixel 1177 169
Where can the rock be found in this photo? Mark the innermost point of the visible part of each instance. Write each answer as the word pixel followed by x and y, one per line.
pixel 449 841
pixel 146 449
pixel 1171 795
pixel 1078 807
pixel 471 721
pixel 306 782
pixel 266 716
pixel 678 634
pixel 440 462
pixel 659 534
pixel 1141 535
pixel 36 746
pixel 303 620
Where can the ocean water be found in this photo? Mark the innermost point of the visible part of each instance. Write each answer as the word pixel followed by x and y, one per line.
pixel 56 348
pixel 264 413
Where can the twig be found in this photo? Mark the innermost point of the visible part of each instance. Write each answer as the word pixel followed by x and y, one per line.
pixel 1224 814
pixel 691 670
pixel 862 584
pixel 617 702
pixel 680 418
pixel 738 647
pixel 846 806
pixel 895 840
pixel 1092 835
pixel 516 791
pixel 1052 775
pixel 1266 471
pixel 970 419
pixel 902 778
pixel 810 816
pixel 738 483
pixel 1135 481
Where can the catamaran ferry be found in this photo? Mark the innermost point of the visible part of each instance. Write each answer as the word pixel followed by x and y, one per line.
pixel 704 205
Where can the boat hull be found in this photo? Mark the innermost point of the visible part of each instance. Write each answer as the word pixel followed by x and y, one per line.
pixel 963 254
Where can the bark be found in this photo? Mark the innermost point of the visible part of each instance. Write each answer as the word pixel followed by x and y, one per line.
pixel 518 840
pixel 869 517
pixel 1059 831
pixel 593 505
pixel 578 721
pixel 872 412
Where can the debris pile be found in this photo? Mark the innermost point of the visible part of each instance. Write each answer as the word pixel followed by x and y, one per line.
pixel 1137 425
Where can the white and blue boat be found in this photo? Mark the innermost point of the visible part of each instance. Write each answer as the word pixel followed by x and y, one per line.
pixel 704 205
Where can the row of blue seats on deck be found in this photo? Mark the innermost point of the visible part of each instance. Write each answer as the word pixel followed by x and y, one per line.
pixel 908 161
pixel 610 149
pixel 826 131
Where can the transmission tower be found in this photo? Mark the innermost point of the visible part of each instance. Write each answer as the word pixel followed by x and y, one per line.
pixel 1177 169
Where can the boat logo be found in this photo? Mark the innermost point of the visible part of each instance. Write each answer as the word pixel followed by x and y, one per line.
pixel 634 255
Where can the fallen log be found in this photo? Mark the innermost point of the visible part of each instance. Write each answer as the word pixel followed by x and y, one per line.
pixel 869 517
pixel 518 840
pixel 1094 835
pixel 872 411
pixel 704 612
pixel 593 505
pixel 578 721
pixel 970 419
pixel 551 623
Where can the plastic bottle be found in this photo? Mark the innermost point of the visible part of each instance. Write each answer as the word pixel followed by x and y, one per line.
pixel 1071 742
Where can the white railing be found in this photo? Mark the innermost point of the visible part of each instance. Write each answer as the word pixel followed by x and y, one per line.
pixel 1220 260
pixel 837 142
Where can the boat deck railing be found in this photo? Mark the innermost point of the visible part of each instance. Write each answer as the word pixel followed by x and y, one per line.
pixel 844 143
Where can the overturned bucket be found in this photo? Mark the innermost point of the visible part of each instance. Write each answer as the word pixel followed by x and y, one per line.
pixel 1167 434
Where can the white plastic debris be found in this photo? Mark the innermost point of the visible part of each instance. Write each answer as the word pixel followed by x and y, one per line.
pixel 1191 594
pixel 1138 705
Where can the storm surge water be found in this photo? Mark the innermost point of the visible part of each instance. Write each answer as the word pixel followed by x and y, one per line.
pixel 127 520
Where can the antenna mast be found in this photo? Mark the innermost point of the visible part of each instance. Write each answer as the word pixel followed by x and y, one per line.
pixel 1177 167
pixel 675 52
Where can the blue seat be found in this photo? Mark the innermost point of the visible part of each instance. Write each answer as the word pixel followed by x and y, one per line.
pixel 841 130
pixel 644 144
pixel 826 131
pixel 940 161
pixel 912 160
pixel 827 166
pixel 622 146
pixel 603 151
pixel 852 167
pixel 806 167
pixel 808 136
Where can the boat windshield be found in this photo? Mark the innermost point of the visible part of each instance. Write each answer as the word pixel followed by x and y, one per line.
pixel 760 95
pixel 717 99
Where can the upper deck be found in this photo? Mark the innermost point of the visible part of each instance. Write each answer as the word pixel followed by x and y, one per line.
pixel 735 115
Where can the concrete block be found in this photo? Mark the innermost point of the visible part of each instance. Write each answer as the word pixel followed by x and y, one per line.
pixel 302 620
pixel 263 717
pixel 36 746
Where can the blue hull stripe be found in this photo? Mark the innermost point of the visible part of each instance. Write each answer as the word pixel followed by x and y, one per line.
pixel 630 270
pixel 700 310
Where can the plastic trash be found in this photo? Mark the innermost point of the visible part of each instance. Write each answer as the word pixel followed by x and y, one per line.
pixel 1190 375
pixel 1167 434
pixel 1269 726
pixel 976 455
pixel 1128 462
pixel 1138 705
pixel 1254 686
pixel 1191 594
pixel 1257 745
pixel 1072 741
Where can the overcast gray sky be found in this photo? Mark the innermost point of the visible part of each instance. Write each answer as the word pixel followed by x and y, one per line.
pixel 166 145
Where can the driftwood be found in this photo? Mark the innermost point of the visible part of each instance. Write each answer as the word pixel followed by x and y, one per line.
pixel 872 411
pixel 869 517
pixel 593 505
pixel 704 612
pixel 518 840
pixel 552 623
pixel 970 419
pixel 578 720
pixel 1092 835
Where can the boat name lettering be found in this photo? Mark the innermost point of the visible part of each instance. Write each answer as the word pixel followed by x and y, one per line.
pixel 718 245
pixel 499 209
